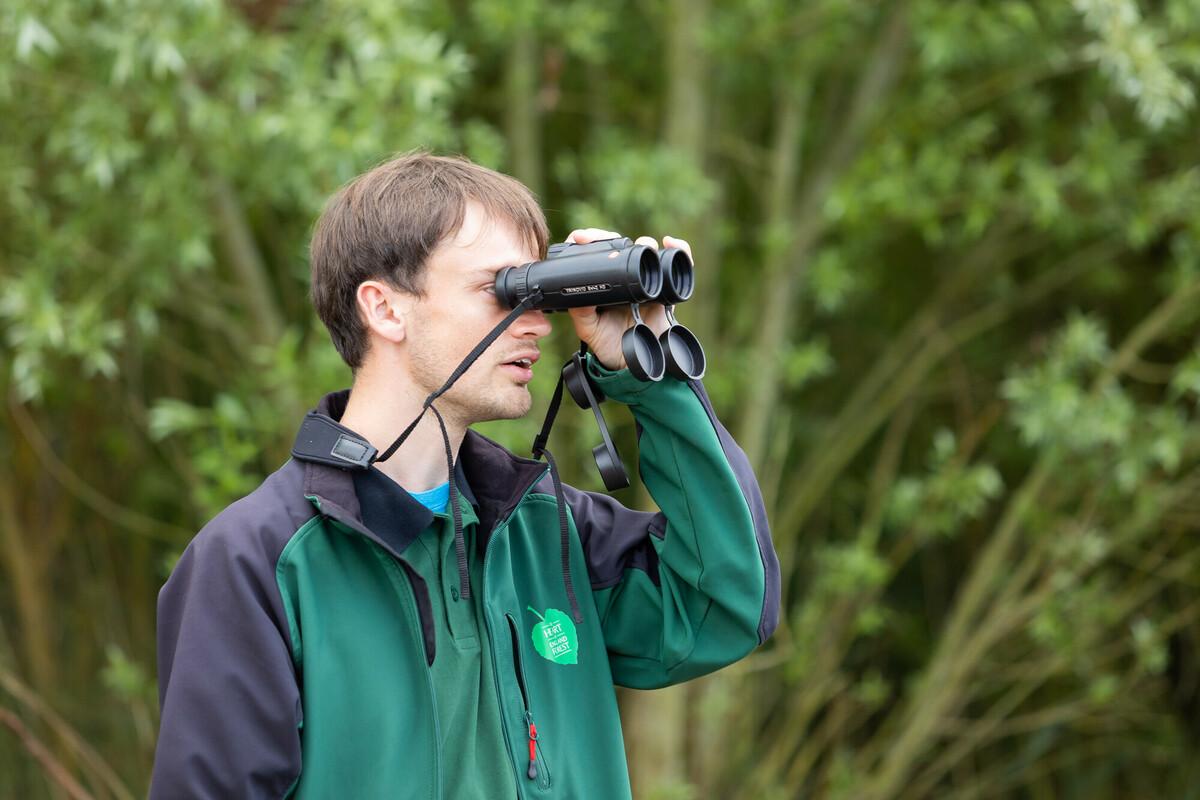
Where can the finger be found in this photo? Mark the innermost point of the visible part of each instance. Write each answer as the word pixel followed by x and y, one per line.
pixel 649 241
pixel 583 314
pixel 655 316
pixel 585 235
pixel 671 241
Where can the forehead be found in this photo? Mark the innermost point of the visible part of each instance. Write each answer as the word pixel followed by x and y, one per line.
pixel 482 242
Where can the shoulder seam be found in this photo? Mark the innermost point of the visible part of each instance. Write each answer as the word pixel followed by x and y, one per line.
pixel 293 542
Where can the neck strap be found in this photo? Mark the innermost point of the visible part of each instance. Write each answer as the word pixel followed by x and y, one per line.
pixel 463 366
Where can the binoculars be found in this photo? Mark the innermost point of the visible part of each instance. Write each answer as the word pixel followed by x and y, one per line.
pixel 613 272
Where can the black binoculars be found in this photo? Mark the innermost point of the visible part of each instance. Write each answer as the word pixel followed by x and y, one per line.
pixel 613 272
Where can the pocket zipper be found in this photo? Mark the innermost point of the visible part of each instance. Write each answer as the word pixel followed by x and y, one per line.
pixel 542 776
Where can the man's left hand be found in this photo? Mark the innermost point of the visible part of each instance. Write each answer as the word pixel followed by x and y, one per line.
pixel 602 328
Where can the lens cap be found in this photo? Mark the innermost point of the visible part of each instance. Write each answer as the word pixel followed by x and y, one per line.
pixel 575 376
pixel 643 353
pixel 610 466
pixel 685 356
pixel 587 394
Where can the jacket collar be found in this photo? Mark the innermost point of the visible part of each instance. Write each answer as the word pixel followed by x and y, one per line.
pixel 490 477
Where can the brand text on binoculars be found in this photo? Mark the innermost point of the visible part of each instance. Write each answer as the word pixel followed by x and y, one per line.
pixel 591 287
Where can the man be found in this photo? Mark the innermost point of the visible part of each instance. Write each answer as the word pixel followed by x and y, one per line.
pixel 341 632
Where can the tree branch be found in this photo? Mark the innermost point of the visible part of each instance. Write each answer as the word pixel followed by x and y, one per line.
pixel 808 224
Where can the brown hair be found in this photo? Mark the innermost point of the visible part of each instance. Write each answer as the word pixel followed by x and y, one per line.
pixel 383 225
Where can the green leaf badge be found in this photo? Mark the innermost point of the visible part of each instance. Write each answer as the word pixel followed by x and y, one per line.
pixel 554 637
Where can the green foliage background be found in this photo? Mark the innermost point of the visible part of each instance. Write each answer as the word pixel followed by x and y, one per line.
pixel 949 261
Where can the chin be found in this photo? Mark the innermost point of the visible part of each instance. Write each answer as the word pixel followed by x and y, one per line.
pixel 517 407
pixel 520 408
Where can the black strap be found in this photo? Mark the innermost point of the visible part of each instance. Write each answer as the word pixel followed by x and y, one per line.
pixel 328 442
pixel 539 441
pixel 575 378
pixel 463 366
pixel 564 537
pixel 460 545
pixel 539 448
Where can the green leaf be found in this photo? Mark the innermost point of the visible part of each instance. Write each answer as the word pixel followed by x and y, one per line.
pixel 34 37
pixel 1186 380
pixel 169 416
pixel 555 638
pixel 807 362
pixel 124 677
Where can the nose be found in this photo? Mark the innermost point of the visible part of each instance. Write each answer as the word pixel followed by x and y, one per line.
pixel 533 322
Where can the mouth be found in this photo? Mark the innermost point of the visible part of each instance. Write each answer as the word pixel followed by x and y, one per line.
pixel 520 369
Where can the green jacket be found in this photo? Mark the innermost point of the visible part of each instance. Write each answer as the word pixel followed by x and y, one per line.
pixel 294 643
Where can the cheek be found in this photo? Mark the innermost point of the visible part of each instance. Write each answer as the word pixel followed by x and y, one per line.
pixel 479 315
pixel 463 314
pixel 456 326
pixel 470 323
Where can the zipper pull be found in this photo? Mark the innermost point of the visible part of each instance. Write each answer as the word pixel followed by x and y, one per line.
pixel 532 772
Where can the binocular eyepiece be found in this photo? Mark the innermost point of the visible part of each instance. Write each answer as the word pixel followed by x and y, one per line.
pixel 617 272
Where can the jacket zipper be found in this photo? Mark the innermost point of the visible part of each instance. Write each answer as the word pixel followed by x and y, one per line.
pixel 492 633
pixel 535 771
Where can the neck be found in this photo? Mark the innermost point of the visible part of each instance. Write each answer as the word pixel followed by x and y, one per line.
pixel 380 409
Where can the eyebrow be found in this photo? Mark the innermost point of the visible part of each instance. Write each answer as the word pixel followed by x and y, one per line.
pixel 489 270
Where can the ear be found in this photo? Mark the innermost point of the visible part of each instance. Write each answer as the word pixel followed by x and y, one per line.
pixel 384 310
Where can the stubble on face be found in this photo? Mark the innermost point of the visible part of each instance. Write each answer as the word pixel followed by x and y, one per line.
pixel 452 319
pixel 483 393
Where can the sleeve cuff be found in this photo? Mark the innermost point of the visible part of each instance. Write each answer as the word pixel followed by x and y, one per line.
pixel 617 384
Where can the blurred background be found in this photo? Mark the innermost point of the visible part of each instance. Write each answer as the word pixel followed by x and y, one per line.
pixel 948 267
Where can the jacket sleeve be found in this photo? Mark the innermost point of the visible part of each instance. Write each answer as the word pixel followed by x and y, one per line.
pixel 227 688
pixel 693 587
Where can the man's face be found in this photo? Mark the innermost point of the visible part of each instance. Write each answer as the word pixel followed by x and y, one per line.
pixel 459 309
